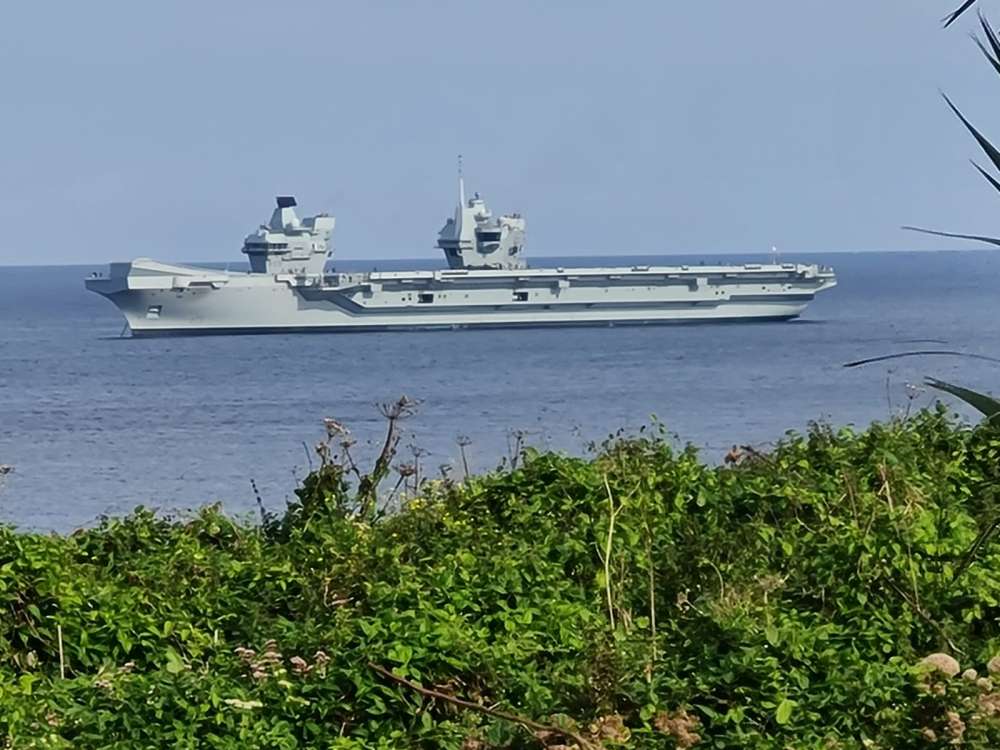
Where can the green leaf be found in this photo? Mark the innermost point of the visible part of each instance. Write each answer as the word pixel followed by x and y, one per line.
pixel 401 653
pixel 784 712
pixel 175 664
pixel 25 682
pixel 771 633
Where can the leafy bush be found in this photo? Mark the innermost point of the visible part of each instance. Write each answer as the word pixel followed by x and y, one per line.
pixel 639 598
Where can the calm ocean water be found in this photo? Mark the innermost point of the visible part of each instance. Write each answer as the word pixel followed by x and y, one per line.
pixel 95 424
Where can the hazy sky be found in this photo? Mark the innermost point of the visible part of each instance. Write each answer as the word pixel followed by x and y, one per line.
pixel 165 129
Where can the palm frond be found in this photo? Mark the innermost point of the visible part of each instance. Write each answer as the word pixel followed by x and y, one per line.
pixel 922 353
pixel 984 143
pixel 989 56
pixel 976 237
pixel 990 178
pixel 986 405
pixel 955 15
pixel 994 42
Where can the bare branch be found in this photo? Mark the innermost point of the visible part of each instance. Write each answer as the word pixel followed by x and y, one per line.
pixel 368 486
pixel 464 442
pixel 525 722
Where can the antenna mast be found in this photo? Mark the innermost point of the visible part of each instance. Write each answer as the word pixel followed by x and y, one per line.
pixel 461 183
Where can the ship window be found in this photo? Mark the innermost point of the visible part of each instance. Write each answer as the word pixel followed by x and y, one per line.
pixel 520 296
pixel 425 298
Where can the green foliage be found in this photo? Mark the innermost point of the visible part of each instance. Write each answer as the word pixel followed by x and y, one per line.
pixel 782 600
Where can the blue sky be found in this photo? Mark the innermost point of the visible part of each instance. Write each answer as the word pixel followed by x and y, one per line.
pixel 164 130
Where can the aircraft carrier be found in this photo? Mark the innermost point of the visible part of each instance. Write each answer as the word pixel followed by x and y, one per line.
pixel 486 284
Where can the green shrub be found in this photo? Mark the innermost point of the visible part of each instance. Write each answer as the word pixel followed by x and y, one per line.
pixel 639 598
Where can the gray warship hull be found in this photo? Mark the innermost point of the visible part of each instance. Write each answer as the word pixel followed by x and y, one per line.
pixel 487 284
pixel 159 299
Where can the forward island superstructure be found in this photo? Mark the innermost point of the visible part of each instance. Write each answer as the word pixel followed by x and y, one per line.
pixel 486 284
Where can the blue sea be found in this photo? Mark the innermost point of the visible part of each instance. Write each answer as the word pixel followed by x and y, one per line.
pixel 95 424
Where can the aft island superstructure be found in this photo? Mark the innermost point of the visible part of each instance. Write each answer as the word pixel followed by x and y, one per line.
pixel 486 284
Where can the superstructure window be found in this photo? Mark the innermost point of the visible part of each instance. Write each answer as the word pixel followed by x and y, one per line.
pixel 520 296
pixel 267 246
pixel 425 298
